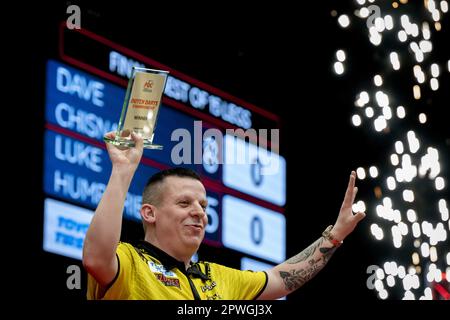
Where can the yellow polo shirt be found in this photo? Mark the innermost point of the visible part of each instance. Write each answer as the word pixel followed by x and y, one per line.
pixel 148 273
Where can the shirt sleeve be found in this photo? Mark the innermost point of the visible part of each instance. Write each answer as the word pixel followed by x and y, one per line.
pixel 120 286
pixel 242 285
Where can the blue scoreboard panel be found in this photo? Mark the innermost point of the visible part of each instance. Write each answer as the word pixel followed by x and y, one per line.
pixel 84 97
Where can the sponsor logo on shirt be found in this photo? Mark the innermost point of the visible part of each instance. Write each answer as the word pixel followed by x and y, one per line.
pixel 159 268
pixel 209 287
pixel 168 282
pixel 167 277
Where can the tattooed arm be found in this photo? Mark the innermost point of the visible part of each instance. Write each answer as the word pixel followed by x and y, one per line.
pixel 293 273
pixel 296 271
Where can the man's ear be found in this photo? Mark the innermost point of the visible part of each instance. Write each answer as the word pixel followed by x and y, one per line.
pixel 148 213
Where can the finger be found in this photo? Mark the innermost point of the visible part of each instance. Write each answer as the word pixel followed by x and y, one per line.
pixel 349 193
pixel 139 142
pixel 355 191
pixel 359 216
pixel 125 133
pixel 110 135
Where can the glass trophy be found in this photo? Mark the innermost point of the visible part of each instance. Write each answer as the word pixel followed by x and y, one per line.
pixel 140 108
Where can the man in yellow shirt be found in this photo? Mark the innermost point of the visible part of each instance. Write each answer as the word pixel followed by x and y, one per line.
pixel 174 219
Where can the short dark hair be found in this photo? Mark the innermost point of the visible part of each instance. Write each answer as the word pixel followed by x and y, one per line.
pixel 152 189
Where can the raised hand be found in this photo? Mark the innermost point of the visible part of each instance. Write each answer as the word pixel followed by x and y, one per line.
pixel 126 158
pixel 347 221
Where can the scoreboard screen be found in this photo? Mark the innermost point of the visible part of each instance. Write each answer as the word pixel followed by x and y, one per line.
pixel 199 126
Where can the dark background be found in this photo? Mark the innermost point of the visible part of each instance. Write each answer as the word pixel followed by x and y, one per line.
pixel 276 57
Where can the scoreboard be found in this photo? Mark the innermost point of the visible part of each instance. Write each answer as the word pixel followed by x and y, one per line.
pixel 85 90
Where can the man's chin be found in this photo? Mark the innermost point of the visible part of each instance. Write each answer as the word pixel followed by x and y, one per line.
pixel 194 242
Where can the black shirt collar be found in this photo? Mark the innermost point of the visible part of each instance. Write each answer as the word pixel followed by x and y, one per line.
pixel 170 262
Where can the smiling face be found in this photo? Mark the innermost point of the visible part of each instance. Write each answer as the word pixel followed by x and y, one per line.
pixel 180 218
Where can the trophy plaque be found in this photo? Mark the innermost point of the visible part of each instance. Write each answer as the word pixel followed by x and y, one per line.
pixel 140 108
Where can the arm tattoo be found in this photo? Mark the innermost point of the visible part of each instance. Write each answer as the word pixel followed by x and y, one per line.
pixel 305 254
pixel 295 278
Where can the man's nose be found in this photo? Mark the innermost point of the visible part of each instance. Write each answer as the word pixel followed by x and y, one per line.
pixel 198 211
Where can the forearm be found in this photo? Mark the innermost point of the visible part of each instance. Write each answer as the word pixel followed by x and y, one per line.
pixel 296 271
pixel 103 234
